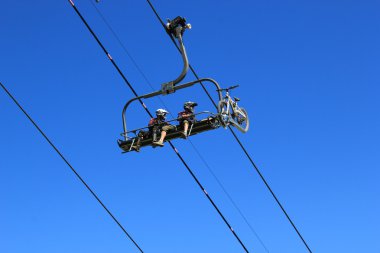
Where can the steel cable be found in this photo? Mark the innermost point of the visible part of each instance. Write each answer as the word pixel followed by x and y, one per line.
pixel 238 140
pixel 191 143
pixel 70 166
pixel 150 114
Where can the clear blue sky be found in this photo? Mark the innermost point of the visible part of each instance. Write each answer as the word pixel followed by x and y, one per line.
pixel 309 79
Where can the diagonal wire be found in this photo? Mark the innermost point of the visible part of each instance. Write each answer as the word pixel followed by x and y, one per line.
pixel 150 114
pixel 70 166
pixel 165 106
pixel 239 142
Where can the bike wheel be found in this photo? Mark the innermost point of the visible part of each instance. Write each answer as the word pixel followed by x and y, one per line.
pixel 242 120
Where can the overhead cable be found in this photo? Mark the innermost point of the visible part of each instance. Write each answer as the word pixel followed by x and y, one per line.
pixel 150 114
pixel 70 166
pixel 238 140
pixel 191 143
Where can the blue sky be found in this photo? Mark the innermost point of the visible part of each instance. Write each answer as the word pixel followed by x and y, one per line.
pixel 309 79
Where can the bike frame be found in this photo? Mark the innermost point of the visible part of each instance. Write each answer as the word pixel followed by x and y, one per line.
pixel 230 103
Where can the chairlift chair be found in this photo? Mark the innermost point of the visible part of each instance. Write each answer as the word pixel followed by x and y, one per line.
pixel 210 121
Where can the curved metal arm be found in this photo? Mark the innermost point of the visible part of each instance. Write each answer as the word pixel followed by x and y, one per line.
pixel 157 93
pixel 185 61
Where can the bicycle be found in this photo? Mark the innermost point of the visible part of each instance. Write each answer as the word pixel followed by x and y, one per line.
pixel 231 113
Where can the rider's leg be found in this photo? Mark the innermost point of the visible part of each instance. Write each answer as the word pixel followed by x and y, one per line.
pixel 160 142
pixel 163 135
pixel 165 129
pixel 185 127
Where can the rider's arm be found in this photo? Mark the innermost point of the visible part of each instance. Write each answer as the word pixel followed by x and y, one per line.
pixel 152 121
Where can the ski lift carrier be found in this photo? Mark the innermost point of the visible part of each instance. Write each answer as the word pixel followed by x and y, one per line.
pixel 228 112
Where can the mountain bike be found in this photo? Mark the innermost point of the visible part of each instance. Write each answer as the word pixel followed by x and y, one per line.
pixel 231 113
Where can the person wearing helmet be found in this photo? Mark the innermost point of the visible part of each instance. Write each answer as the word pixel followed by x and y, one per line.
pixel 187 117
pixel 159 125
pixel 156 126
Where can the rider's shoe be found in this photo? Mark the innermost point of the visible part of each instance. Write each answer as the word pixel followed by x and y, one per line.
pixel 158 143
pixel 136 148
pixel 183 135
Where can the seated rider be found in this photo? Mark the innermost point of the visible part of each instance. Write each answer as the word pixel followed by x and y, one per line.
pixel 186 117
pixel 156 126
pixel 159 125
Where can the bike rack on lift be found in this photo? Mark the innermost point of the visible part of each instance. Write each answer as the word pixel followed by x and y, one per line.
pixel 176 28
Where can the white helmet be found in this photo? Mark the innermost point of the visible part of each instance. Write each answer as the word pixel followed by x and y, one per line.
pixel 161 112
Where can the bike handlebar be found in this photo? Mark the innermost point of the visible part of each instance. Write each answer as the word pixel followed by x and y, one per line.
pixel 229 88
